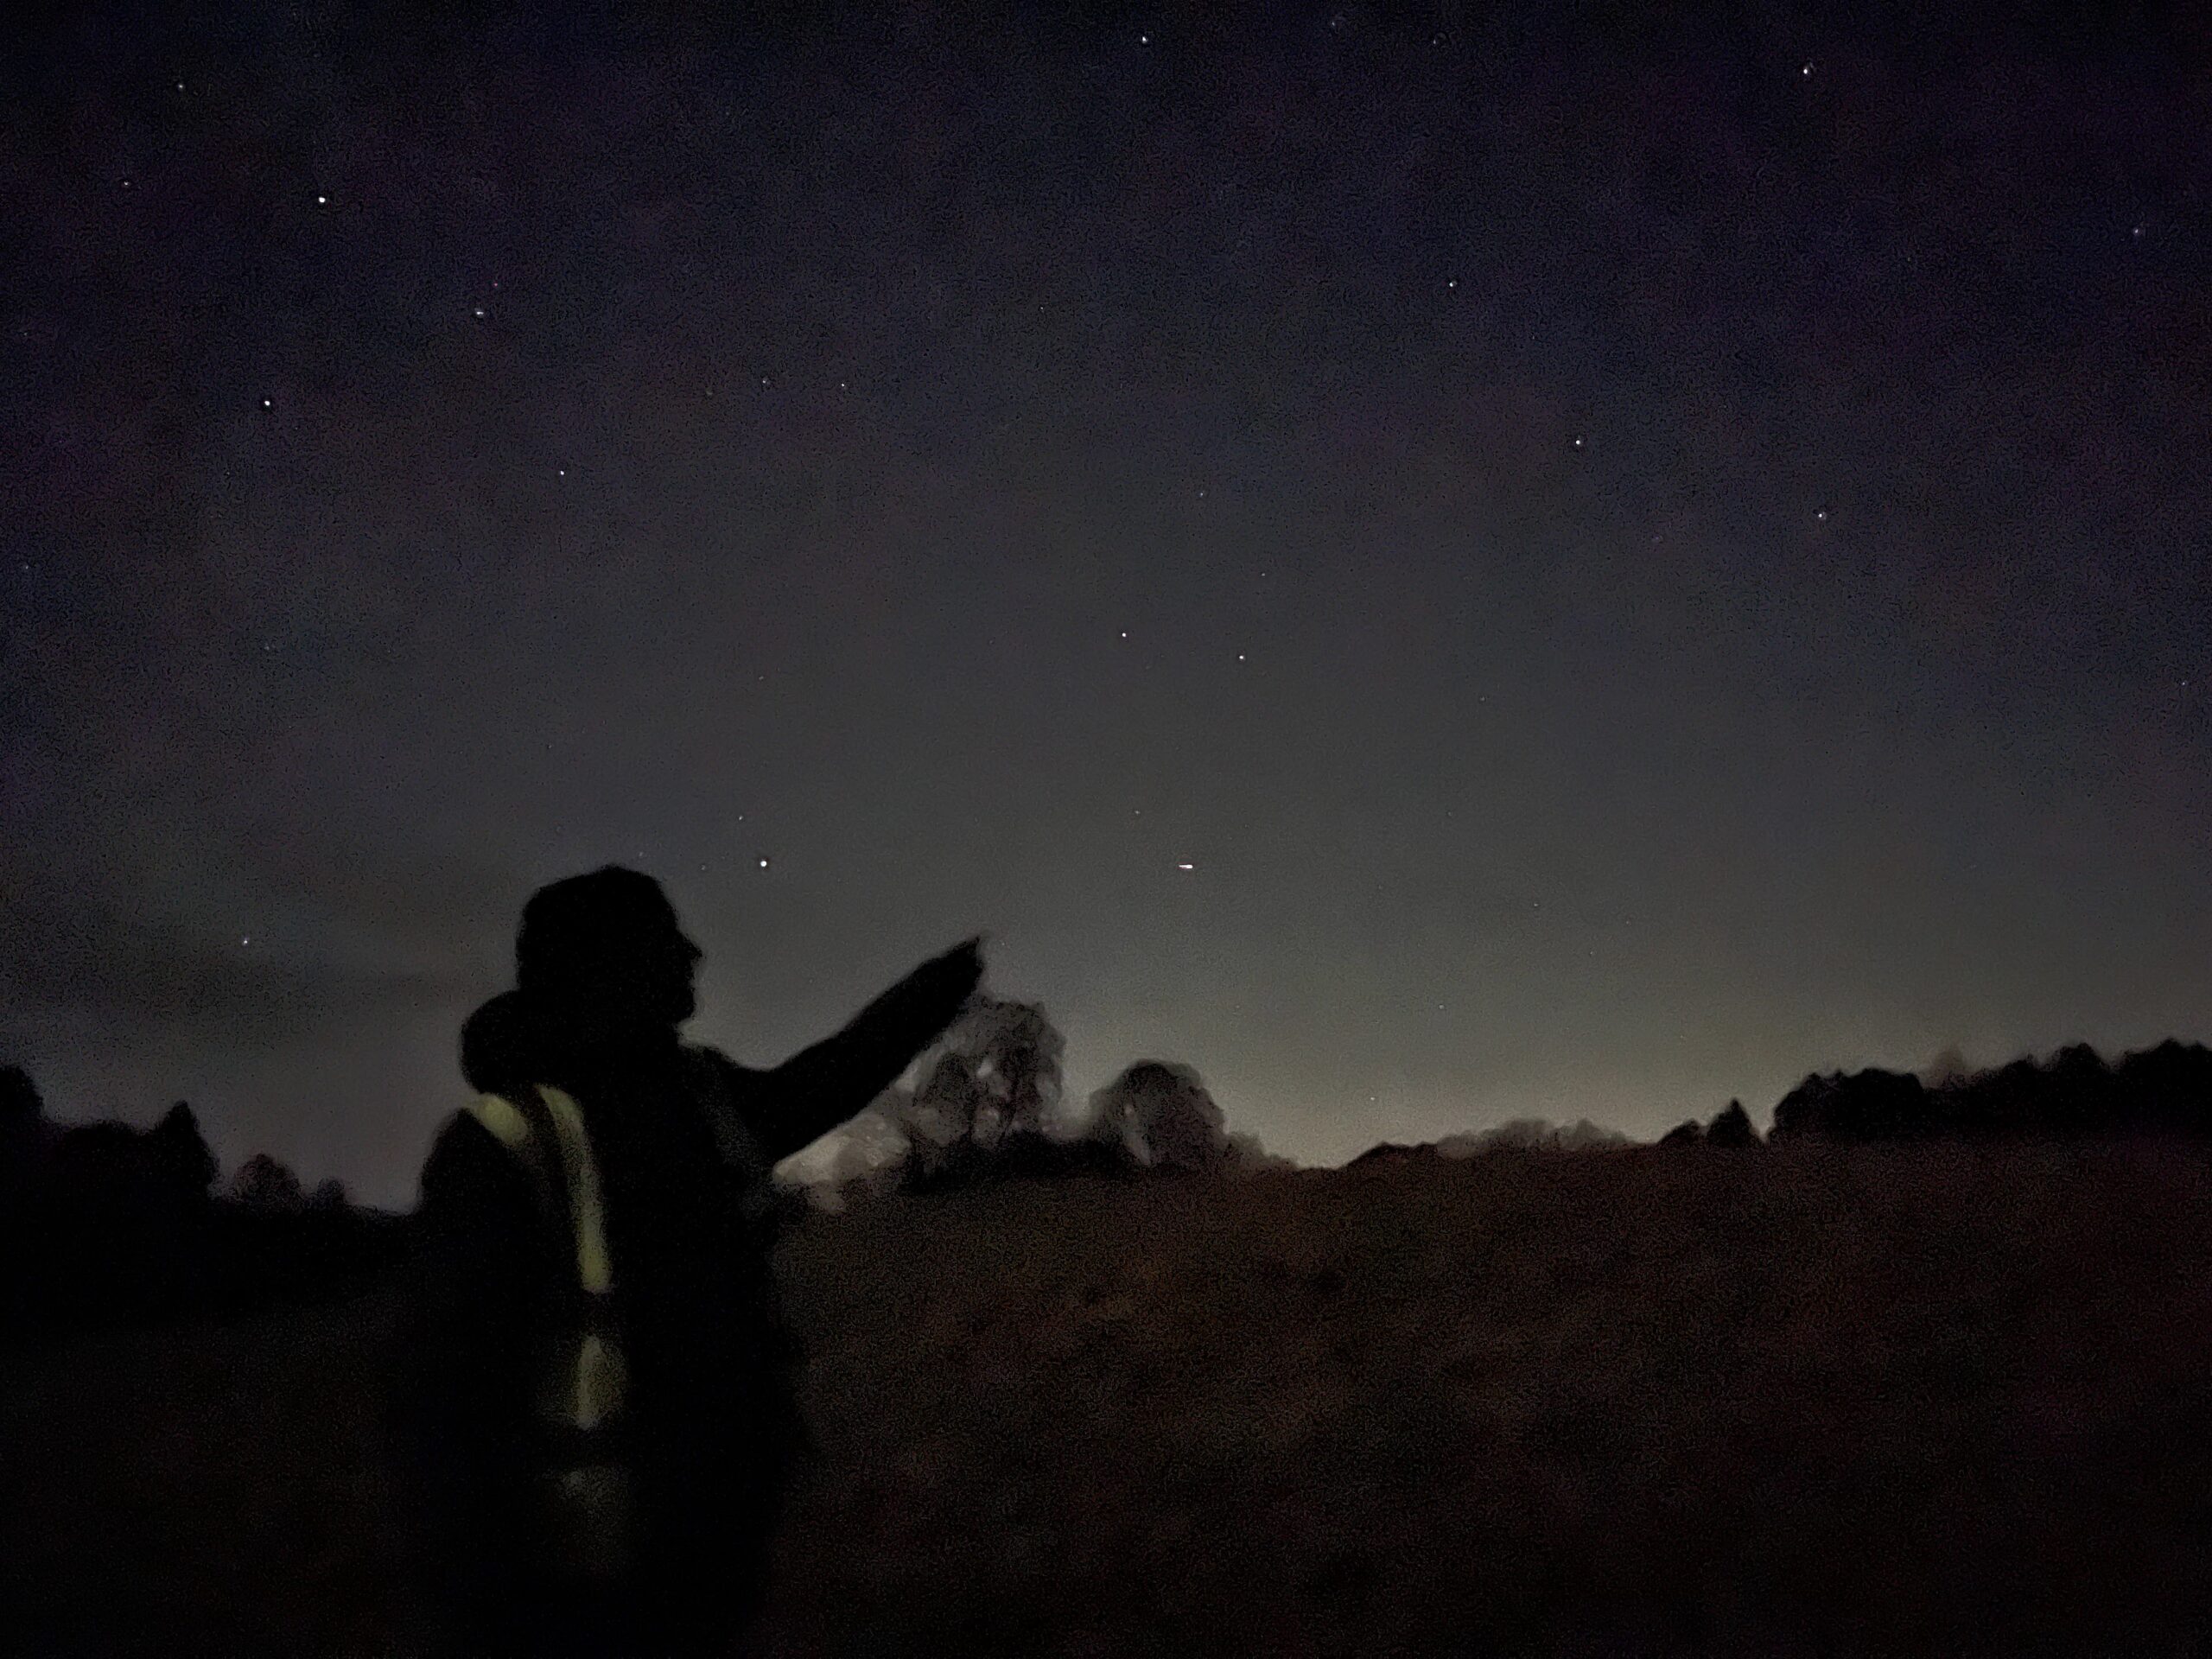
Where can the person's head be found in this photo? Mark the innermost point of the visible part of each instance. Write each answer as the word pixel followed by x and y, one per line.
pixel 605 948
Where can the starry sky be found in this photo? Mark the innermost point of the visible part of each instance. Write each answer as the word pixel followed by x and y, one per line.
pixel 1438 565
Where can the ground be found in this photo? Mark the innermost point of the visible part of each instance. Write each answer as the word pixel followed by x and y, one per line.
pixel 1784 1400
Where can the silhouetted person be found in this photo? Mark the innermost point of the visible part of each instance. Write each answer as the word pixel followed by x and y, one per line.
pixel 656 1538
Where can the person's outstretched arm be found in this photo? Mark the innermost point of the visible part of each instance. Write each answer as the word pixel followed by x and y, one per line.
pixel 818 1088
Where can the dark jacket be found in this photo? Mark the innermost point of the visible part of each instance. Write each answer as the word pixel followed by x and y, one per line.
pixel 684 1139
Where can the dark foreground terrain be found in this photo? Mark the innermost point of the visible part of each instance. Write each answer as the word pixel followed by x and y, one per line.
pixel 1803 1400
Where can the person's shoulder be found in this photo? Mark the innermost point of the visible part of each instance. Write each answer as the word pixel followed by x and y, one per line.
pixel 731 1095
pixel 717 1069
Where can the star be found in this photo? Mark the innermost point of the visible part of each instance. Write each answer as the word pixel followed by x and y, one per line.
pixel 1187 867
pixel 479 310
pixel 764 863
pixel 321 200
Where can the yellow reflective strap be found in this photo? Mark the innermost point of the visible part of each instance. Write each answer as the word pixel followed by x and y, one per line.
pixel 505 1122
pixel 600 1379
pixel 592 1393
pixel 593 1271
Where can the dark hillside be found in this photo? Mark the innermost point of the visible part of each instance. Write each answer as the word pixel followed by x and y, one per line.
pixel 1933 1398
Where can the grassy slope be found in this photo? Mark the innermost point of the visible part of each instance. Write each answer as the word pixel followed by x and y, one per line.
pixel 1693 1401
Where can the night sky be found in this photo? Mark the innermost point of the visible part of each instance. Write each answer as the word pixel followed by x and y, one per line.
pixel 1437 571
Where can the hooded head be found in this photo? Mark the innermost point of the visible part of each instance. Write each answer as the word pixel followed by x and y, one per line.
pixel 604 950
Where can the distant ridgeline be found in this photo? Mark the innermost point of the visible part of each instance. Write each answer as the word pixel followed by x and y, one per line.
pixel 102 1223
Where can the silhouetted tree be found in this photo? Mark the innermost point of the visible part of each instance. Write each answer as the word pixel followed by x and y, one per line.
pixel 1689 1133
pixel 2168 1088
pixel 2164 1091
pixel 1532 1134
pixel 186 1163
pixel 1870 1105
pixel 1732 1127
pixel 122 1221
pixel 262 1183
pixel 1163 1115
pixel 24 1133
